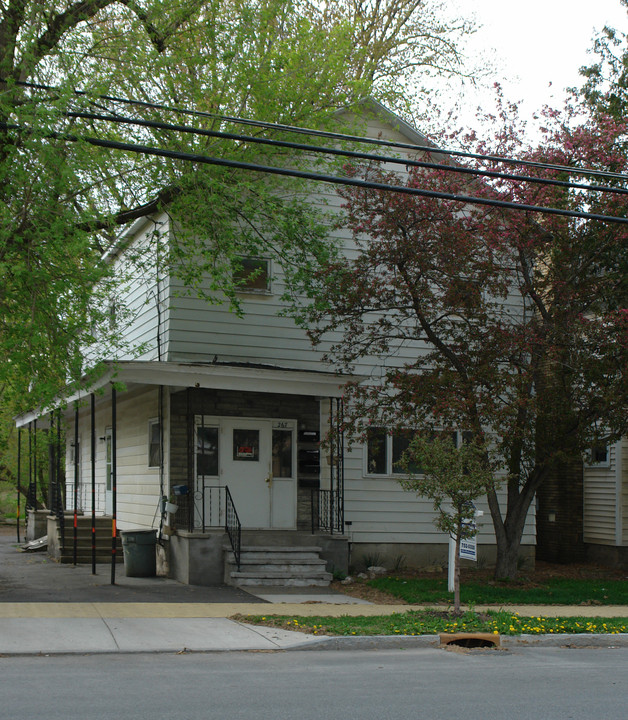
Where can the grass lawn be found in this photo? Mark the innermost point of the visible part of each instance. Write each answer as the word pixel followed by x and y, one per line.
pixel 550 591
pixel 546 584
pixel 431 622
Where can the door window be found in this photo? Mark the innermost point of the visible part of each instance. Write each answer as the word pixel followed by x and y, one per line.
pixel 282 453
pixel 207 450
pixel 246 445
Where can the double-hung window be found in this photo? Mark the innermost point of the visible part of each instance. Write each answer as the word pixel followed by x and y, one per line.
pixel 385 450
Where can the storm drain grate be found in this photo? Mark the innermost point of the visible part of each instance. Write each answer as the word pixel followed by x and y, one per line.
pixel 470 640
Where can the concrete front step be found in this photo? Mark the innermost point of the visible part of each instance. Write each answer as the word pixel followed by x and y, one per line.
pixel 102 528
pixel 277 566
pixel 276 549
pixel 245 579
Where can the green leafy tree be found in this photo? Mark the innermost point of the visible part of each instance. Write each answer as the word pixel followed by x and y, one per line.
pixel 606 80
pixel 452 477
pixel 62 203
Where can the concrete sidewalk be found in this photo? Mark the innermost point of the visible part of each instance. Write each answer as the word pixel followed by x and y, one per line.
pixel 46 608
pixel 80 628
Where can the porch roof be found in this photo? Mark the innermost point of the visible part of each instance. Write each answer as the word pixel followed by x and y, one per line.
pixel 223 376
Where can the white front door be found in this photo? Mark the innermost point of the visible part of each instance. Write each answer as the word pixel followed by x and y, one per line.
pixel 256 459
pixel 246 469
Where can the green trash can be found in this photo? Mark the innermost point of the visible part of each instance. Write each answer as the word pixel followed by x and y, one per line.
pixel 138 547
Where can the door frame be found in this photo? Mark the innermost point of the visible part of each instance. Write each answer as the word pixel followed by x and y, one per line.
pixel 280 515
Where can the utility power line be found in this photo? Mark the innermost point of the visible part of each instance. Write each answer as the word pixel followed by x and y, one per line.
pixel 310 132
pixel 333 179
pixel 326 150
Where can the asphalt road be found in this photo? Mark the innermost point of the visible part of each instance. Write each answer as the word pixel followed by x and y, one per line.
pixel 522 684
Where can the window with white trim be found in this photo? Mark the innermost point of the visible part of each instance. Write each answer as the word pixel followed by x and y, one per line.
pixel 76 459
pixel 252 275
pixel 385 449
pixel 598 456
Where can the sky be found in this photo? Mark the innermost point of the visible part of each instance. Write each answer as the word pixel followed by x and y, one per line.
pixel 539 45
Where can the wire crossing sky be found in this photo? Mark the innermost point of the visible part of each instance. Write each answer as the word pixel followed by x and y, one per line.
pixel 337 179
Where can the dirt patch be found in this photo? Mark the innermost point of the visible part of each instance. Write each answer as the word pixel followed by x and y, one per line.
pixel 361 590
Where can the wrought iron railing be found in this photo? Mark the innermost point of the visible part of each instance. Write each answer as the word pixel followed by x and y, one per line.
pixel 233 527
pixel 214 508
pixel 327 511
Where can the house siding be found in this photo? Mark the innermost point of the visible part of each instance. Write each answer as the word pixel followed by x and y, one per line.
pixel 622 460
pixel 382 512
pixel 199 332
pixel 600 502
pixel 138 486
pixel 143 295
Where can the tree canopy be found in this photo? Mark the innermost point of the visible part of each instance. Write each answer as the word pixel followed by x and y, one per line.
pixel 606 79
pixel 62 199
pixel 510 326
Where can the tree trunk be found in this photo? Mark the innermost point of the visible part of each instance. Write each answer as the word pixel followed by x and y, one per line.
pixel 507 563
pixel 508 532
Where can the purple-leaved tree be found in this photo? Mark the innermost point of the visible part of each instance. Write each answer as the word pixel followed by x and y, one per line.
pixel 513 326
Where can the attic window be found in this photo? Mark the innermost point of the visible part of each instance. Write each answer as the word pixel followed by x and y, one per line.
pixel 252 275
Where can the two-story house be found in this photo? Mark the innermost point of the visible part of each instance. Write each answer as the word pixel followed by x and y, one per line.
pixel 215 422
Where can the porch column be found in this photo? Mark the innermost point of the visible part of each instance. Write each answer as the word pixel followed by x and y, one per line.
pixel 19 472
pixel 59 508
pixel 31 498
pixel 93 467
pixel 114 529
pixel 76 482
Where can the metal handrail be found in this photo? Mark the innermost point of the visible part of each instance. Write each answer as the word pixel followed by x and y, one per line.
pixel 327 511
pixel 214 507
pixel 233 527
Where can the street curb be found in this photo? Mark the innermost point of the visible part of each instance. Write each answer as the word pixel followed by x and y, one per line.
pixel 508 642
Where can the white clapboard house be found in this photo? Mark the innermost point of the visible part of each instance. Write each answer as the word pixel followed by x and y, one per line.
pixel 210 435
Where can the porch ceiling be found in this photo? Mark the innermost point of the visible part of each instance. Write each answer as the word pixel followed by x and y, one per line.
pixel 179 375
pixel 231 377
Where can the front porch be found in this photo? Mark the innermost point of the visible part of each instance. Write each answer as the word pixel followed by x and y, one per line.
pixel 220 467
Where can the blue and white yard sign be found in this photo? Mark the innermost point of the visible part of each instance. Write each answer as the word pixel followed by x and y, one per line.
pixel 468 547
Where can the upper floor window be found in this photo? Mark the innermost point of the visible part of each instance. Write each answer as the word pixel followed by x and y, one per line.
pixel 252 275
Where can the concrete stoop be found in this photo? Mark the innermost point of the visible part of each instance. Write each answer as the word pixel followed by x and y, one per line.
pixel 64 552
pixel 277 566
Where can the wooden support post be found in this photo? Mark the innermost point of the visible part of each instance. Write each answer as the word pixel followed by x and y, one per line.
pixel 19 472
pixel 76 482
